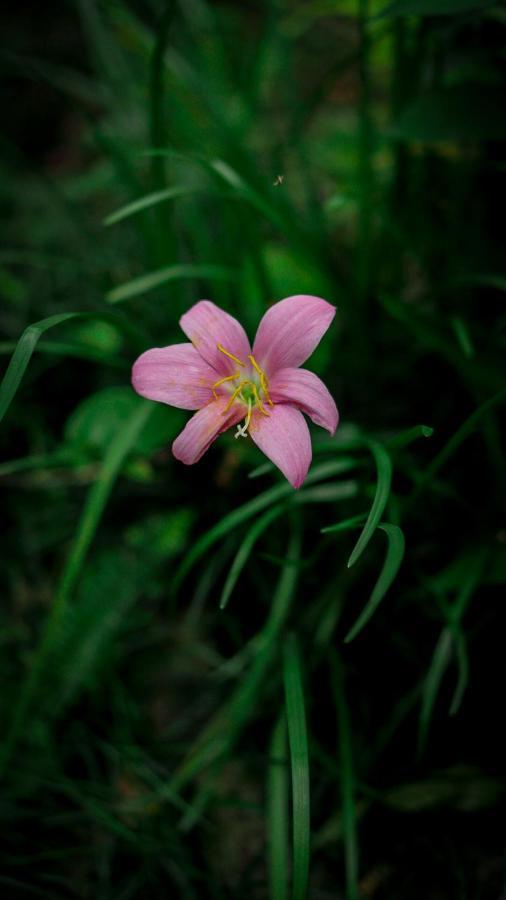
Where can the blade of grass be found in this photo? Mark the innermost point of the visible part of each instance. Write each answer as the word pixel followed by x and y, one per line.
pixel 90 518
pixel 277 814
pixel 250 509
pixel 347 777
pixel 393 560
pixel 467 428
pixel 144 283
pixel 244 551
pixel 25 347
pixel 299 760
pixel 407 437
pixel 146 202
pixel 451 640
pixel 220 735
pixel 383 482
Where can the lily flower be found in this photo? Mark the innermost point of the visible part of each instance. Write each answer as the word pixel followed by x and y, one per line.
pixel 228 382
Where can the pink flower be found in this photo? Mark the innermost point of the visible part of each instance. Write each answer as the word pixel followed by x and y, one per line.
pixel 219 375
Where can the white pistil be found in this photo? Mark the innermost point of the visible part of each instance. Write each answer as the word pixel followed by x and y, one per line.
pixel 243 429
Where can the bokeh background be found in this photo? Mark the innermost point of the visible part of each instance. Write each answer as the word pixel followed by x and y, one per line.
pixel 201 698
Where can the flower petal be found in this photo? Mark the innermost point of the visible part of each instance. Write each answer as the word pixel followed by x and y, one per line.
pixel 284 437
pixel 290 331
pixel 176 375
pixel 308 392
pixel 204 427
pixel 207 326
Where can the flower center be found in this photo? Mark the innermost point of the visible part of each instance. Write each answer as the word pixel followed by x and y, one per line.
pixel 252 391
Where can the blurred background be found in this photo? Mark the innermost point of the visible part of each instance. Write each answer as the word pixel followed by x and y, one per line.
pixel 201 697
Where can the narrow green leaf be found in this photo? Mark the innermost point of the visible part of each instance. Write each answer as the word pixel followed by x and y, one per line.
pixel 26 345
pixel 220 735
pixel 250 509
pixel 383 482
pixel 277 813
pixel 407 437
pixel 22 354
pixel 468 427
pixel 152 280
pixel 393 560
pixel 245 548
pixel 347 777
pixel 463 670
pixel 146 202
pixel 440 661
pixel 299 760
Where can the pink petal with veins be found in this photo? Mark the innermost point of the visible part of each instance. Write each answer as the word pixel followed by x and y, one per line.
pixel 176 375
pixel 284 437
pixel 290 331
pixel 206 325
pixel 308 393
pixel 204 427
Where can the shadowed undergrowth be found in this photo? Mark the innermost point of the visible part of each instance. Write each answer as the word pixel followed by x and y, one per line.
pixel 216 686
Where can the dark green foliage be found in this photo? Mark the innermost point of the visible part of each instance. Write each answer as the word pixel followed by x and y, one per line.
pixel 215 686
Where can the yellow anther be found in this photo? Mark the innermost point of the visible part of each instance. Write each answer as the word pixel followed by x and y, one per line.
pixel 263 378
pixel 222 381
pixel 230 355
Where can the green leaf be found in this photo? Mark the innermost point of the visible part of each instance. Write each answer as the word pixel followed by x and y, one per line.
pixel 220 735
pixel 138 286
pixel 393 560
pixel 347 777
pixel 146 202
pixel 277 814
pixel 22 354
pixel 235 518
pixel 383 482
pixel 299 760
pixel 473 112
pixel 244 551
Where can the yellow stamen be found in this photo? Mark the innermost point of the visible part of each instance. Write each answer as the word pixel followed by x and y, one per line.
pixel 263 379
pixel 222 381
pixel 230 355
pixel 259 402
pixel 236 394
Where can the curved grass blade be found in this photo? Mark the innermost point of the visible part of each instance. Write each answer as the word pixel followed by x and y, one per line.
pixel 25 347
pixel 348 810
pixel 452 641
pixel 91 515
pixel 440 661
pixel 457 438
pixel 146 202
pixel 463 670
pixel 138 286
pixel 235 518
pixel 22 354
pixel 244 551
pixel 277 814
pixel 220 735
pixel 393 560
pixel 299 759
pixel 407 437
pixel 383 483
pixel 67 348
